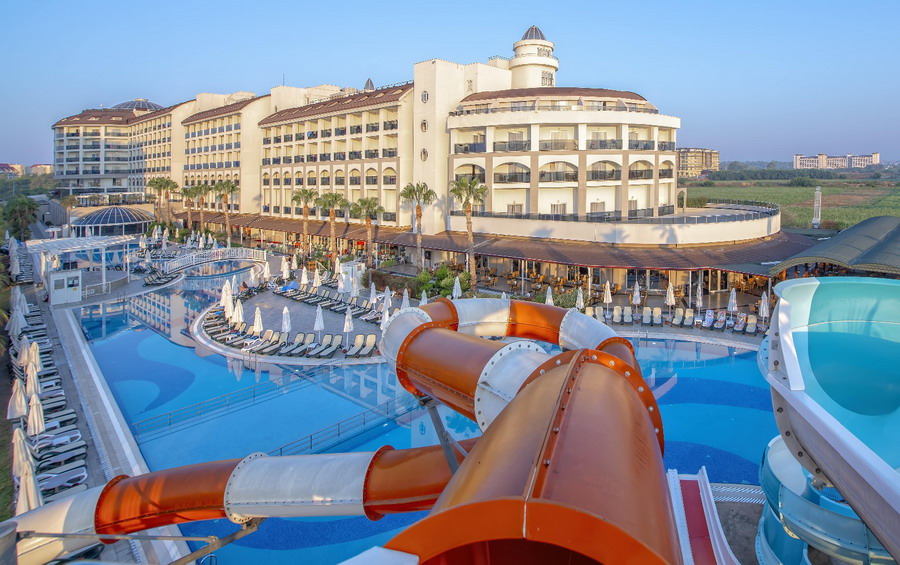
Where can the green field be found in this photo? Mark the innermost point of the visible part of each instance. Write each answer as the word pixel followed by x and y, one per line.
pixel 844 203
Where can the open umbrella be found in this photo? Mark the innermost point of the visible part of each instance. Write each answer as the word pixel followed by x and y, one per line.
pixel 319 324
pixel 35 416
pixel 607 297
pixel 21 452
pixel 670 297
pixel 267 272
pixel 29 492
pixel 257 321
pixel 424 299
pixel 404 303
pixel 285 269
pixel 34 356
pixel 457 288
pixel 698 302
pixel 304 276
pixel 579 300
pixel 372 296
pixel 285 321
pixel 636 295
pixel 317 279
pixel 764 306
pixel 17 407
pixel 32 384
pixel 548 299
pixel 388 298
pixel 237 317
pixel 348 325
pixel 732 300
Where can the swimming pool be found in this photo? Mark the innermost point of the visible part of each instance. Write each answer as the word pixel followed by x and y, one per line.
pixel 715 407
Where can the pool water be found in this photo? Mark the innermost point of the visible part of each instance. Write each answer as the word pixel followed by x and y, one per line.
pixel 715 407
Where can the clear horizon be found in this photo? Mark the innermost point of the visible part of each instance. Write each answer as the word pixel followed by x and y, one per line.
pixel 757 81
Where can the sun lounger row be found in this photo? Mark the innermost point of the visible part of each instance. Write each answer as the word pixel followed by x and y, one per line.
pixel 157 278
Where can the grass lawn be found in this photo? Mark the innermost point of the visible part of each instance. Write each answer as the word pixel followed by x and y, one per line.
pixel 844 203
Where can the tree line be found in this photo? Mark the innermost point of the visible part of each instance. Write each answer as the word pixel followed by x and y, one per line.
pixel 772 174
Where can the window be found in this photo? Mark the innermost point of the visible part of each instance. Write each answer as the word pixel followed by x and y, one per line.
pixel 598 207
pixel 424 155
pixel 424 125
pixel 424 96
pixel 546 78
pixel 632 204
pixel 514 209
pixel 520 106
pixel 543 52
pixel 558 209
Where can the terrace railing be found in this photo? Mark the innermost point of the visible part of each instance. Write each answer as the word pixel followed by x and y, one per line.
pixel 209 255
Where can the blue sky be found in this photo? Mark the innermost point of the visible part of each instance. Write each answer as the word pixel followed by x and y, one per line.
pixel 757 80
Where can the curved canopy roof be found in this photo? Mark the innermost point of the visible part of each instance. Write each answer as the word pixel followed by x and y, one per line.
pixel 534 32
pixel 871 245
pixel 138 104
pixel 114 216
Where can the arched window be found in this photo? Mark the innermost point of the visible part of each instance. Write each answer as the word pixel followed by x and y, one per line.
pixel 298 179
pixel 340 178
pixel 325 178
pixel 311 179
pixel 389 176
pixel 371 176
pixel 355 178
pixel 265 179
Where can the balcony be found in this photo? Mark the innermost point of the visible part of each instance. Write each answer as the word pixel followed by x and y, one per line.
pixel 72 134
pixel 356 155
pixel 300 136
pixel 112 159
pixel 289 137
pixel 605 175
pixel 340 131
pixel 473 147
pixel 116 134
pixel 91 134
pixel 326 181
pixel 389 216
pixel 276 160
pixel 276 139
pixel 355 129
pixel 641 144
pixel 389 179
pixel 391 124
pixel 298 158
pixel 92 159
pixel 287 160
pixel 604 144
pixel 312 158
pixel 355 181
pixel 312 135
pixel 340 156
pixel 237 144
pixel 512 145
pixel 371 180
pixel 71 172
pixel 266 161
pixel 666 173
pixel 506 178
pixel 325 133
pixel 119 147
pixel 324 156
pixel 666 145
pixel 371 153
pixel 641 174
pixel 557 176
pixel 479 178
pixel 371 127
pixel 558 145
pixel 389 152
pixel 70 147
pixel 311 181
pixel 74 159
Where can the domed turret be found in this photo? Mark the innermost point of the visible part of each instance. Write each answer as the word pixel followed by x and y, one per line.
pixel 533 65
pixel 138 104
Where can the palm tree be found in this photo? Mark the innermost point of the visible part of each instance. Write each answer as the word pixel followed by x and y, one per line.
pixel 68 202
pixel 189 193
pixel 305 197
pixel 20 213
pixel 225 189
pixel 469 191
pixel 421 195
pixel 367 208
pixel 332 201
pixel 163 187
pixel 202 191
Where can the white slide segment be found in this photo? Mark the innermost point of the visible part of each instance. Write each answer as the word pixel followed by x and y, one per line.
pixel 580 331
pixel 502 378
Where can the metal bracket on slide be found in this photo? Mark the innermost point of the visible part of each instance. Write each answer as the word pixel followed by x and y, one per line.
pixel 246 529
pixel 448 444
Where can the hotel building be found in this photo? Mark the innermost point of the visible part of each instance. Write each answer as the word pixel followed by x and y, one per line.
pixel 823 161
pixel 695 161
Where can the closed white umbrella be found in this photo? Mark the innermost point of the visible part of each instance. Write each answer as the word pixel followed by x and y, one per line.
pixel 388 298
pixel 252 281
pixel 404 303
pixel 267 272
pixel 764 306
pixel 164 245
pixel 21 453
pixel 234 284
pixel 304 276
pixel 257 321
pixel 354 288
pixel 32 385
pixel 226 294
pixel 457 288
pixel 201 243
pixel 670 297
pixel 348 326
pixel 55 263
pixel 29 493
pixel 24 349
pixel 579 300
pixel 228 310
pixel 18 323
pixel 699 300
pixel 285 270
pixel 6 235
pixel 165 234
pixel 317 279
pixel 215 244
pixel 340 283
pixel 732 300
pixel 17 407
pixel 424 299
pixel 285 321
pixel 291 264
pixel 14 269
pixel 385 318
pixel 237 318
pixel 607 297
pixel 372 296
pixel 504 296
pixel 636 295
pixel 35 416
pixel 22 303
pixel 337 265
pixel 142 242
pixel 319 323
pixel 548 299
pixel 34 356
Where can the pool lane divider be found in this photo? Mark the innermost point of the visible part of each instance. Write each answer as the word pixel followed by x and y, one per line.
pixel 570 460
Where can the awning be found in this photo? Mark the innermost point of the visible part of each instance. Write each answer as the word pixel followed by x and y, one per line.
pixel 72 244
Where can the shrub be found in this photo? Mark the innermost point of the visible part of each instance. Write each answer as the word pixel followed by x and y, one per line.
pixel 442 272
pixel 707 183
pixel 801 181
pixel 387 263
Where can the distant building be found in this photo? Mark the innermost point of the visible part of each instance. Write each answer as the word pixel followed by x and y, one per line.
pixel 40 169
pixel 823 161
pixel 10 170
pixel 695 161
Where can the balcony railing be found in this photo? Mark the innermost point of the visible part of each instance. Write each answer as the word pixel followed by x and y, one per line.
pixel 371 127
pixel 276 139
pixel 390 124
pixel 356 154
pixel 512 145
pixel 504 178
pixel 355 180
pixel 74 159
pixel 299 158
pixel 312 158
pixel 640 174
pixel 604 144
pixel 312 135
pixel 287 159
pixel 572 108
pixel 340 156
pixel 666 173
pixel 340 131
pixel 355 129
pixel 276 160
pixel 70 147
pixel 641 144
pixel 666 210
pixel 558 145
pixel 666 145
pixel 325 133
pixel 371 180
pixel 325 181
pixel 605 175
pixel 91 134
pixel 267 140
pixel 614 216
pixel 266 161
pixel 324 156
pixel 371 153
pixel 340 181
pixel 288 137
pixel 557 176
pixel 389 216
pixel 389 179
pixel 473 147
pixel 479 178
pixel 389 152
pixel 311 181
